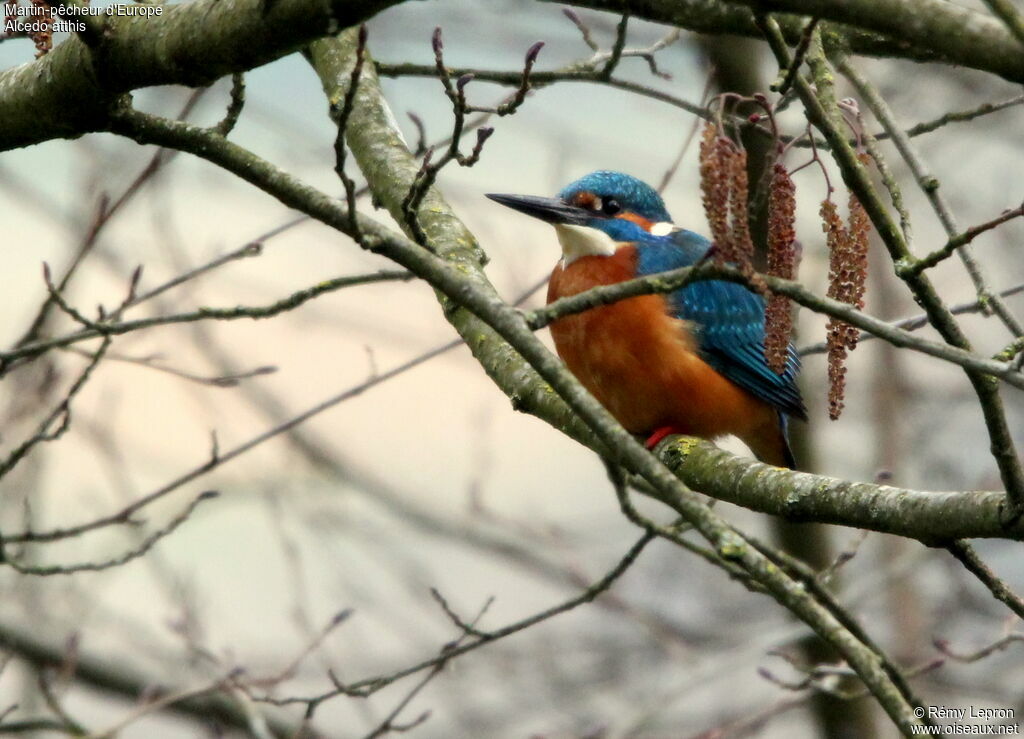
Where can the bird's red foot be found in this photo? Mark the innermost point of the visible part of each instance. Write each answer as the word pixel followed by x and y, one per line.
pixel 654 439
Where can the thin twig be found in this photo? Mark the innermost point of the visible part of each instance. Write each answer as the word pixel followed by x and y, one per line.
pixel 997 646
pixel 60 415
pixel 962 239
pixel 148 543
pixel 664 282
pixel 915 322
pixel 969 558
pixel 341 115
pixel 368 686
pixel 150 362
pixel 104 213
pixel 617 47
pixel 798 57
pixel 691 134
pixel 283 305
pixel 125 514
pixel 584 29
pixel 227 124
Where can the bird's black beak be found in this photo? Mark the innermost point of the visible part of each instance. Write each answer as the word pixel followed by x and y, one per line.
pixel 550 210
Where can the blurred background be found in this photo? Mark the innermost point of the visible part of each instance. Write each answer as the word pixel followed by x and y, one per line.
pixel 430 479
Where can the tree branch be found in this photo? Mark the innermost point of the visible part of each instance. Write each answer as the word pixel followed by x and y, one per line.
pixel 254 312
pixel 664 282
pixel 69 91
pixel 969 558
pixel 934 517
pixel 121 679
pixel 924 30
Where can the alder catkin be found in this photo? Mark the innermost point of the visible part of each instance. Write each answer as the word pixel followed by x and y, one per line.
pixel 725 192
pixel 859 227
pixel 735 160
pixel 836 237
pixel 714 187
pixel 847 279
pixel 781 263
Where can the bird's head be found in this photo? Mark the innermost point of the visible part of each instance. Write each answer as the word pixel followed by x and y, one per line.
pixel 596 213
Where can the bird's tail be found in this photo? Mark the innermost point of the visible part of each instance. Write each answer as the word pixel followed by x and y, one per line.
pixel 770 443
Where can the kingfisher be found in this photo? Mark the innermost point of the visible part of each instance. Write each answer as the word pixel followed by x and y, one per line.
pixel 691 361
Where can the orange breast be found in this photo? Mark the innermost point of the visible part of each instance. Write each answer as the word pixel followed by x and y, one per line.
pixel 641 363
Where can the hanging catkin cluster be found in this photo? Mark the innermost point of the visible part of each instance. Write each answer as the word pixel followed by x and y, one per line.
pixel 782 259
pixel 725 191
pixel 847 274
pixel 723 185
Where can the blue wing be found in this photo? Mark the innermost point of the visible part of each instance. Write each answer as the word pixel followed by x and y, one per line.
pixel 728 322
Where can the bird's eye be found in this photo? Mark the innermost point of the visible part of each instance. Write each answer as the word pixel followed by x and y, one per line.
pixel 610 206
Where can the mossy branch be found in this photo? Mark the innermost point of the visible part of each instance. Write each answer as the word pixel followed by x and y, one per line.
pixel 940 517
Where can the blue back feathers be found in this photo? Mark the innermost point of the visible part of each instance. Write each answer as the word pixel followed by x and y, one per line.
pixel 727 321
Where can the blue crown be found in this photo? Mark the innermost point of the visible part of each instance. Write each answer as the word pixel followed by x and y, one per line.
pixel 633 194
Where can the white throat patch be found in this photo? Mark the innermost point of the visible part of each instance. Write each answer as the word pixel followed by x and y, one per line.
pixel 583 241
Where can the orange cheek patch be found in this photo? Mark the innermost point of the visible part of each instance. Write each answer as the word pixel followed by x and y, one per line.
pixel 642 222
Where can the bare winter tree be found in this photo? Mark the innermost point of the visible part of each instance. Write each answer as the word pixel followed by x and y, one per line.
pixel 318 525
